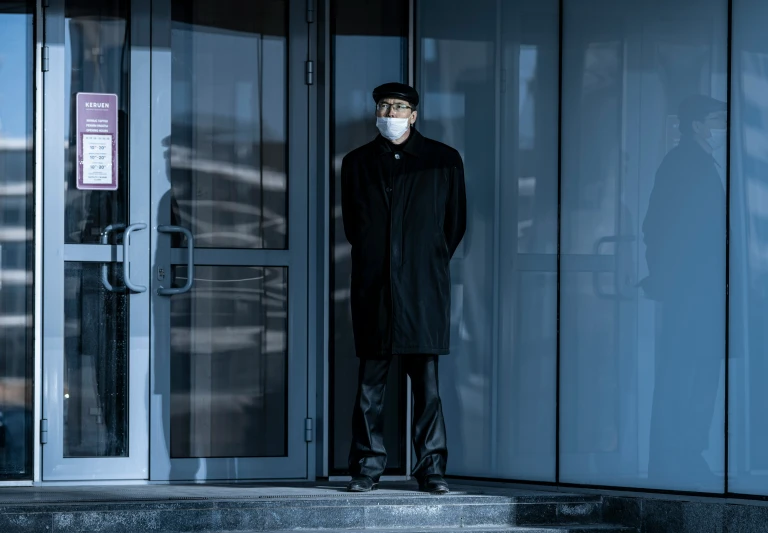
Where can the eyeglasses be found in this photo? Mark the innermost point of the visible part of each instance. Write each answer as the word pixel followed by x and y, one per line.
pixel 400 108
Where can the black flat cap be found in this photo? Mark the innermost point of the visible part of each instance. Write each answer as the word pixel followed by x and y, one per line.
pixel 698 106
pixel 396 90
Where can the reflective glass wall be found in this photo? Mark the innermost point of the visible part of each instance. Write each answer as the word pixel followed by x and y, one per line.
pixel 488 80
pixel 748 260
pixel 16 237
pixel 593 341
pixel 229 171
pixel 643 233
pixel 369 46
pixel 96 348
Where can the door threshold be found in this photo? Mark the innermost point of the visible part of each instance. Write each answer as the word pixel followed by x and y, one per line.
pixel 140 482
pixel 383 478
pixel 23 483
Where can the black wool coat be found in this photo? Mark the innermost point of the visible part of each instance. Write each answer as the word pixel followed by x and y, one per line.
pixel 684 228
pixel 404 213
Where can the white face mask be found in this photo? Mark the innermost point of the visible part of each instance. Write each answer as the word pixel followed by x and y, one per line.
pixel 718 138
pixel 392 128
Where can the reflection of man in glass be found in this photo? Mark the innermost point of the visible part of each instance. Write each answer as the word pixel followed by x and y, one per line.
pixel 404 211
pixel 684 232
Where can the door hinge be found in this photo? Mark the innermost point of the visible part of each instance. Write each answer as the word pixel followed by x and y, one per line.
pixel 309 72
pixel 308 432
pixel 44 59
pixel 44 431
pixel 310 11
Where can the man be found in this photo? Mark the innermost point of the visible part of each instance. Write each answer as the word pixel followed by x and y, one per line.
pixel 685 235
pixel 404 213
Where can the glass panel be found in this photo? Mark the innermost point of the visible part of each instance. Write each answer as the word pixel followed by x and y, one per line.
pixel 748 350
pixel 525 392
pixel 643 243
pixel 229 363
pixel 229 154
pixel 95 362
pixel 98 60
pixel 17 159
pixel 498 384
pixel 368 50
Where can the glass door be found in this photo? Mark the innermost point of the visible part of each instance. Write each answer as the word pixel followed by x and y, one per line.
pixel 175 235
pixel 96 241
pixel 229 255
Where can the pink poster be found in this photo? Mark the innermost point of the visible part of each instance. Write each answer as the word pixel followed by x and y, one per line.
pixel 97 141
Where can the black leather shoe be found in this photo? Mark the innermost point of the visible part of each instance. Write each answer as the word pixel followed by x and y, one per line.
pixel 362 484
pixel 434 484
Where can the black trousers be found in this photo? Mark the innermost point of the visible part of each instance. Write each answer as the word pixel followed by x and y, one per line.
pixel 367 455
pixel 689 356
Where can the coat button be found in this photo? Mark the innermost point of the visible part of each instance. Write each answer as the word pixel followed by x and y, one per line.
pixel 389 189
pixel 397 156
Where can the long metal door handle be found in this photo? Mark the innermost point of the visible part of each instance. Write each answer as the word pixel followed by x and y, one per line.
pixel 104 267
pixel 127 258
pixel 190 260
pixel 617 240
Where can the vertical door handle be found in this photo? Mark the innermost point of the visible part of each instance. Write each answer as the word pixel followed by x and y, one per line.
pixel 104 268
pixel 617 240
pixel 190 260
pixel 127 258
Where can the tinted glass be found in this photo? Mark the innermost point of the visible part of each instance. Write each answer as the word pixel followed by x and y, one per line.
pixel 229 158
pixel 643 243
pixel 17 158
pixel 95 361
pixel 498 384
pixel 748 349
pixel 369 41
pixel 229 363
pixel 98 60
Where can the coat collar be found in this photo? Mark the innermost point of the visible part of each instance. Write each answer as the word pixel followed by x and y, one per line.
pixel 413 146
pixel 690 145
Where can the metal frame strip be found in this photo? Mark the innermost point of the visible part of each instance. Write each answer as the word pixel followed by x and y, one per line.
pixel 38 236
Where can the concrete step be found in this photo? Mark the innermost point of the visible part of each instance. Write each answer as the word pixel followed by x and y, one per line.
pixel 206 508
pixel 605 528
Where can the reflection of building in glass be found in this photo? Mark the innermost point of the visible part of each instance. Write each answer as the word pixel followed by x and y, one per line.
pixel 490 88
pixel 229 141
pixel 16 316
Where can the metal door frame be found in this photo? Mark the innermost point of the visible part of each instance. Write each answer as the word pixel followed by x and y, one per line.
pixel 296 258
pixel 54 466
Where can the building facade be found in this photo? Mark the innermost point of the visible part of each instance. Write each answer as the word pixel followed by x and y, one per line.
pixel 177 308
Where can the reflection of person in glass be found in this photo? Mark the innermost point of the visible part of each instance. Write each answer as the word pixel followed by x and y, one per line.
pixel 404 212
pixel 684 232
